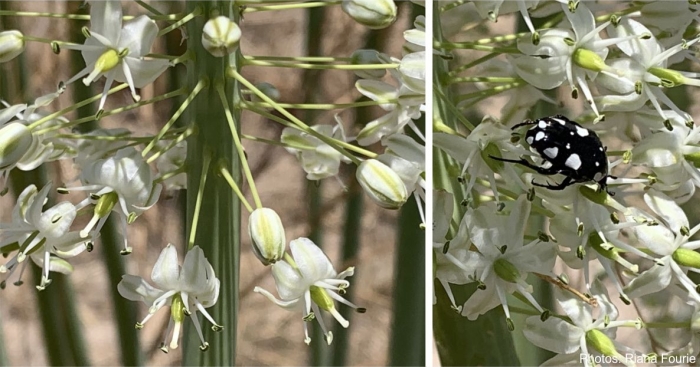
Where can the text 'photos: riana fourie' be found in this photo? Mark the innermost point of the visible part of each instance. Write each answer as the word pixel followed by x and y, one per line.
pixel 565 165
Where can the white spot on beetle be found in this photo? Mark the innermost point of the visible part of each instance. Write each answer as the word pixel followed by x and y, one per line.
pixel 568 146
pixel 573 162
pixel 542 124
pixel 539 136
pixel 600 148
pixel 572 133
pixel 581 131
pixel 529 140
pixel 597 164
pixel 559 121
pixel 551 152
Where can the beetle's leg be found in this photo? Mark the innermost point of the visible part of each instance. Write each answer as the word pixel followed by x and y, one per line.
pixel 526 122
pixel 541 170
pixel 568 181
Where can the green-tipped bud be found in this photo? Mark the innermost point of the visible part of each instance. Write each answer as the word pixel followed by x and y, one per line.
pixel 601 343
pixel 269 90
pixel 669 78
pixel 686 257
pixel 267 234
pixel 220 36
pixel 597 196
pixel 382 184
pixel 11 45
pixel 506 270
pixel 15 141
pixel 375 14
pixel 367 57
pixel 590 60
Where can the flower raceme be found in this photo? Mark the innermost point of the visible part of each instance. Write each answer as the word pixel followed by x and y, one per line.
pixel 187 289
pixel 306 281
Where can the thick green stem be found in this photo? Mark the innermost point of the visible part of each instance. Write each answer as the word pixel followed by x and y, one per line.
pixel 218 235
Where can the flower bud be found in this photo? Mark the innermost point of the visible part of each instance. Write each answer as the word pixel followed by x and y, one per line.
pixel 220 36
pixel 267 234
pixel 601 343
pixel 11 45
pixel 375 14
pixel 382 184
pixel 269 90
pixel 15 140
pixel 365 57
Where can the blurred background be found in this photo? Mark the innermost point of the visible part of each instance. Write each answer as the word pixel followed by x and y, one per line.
pixel 36 327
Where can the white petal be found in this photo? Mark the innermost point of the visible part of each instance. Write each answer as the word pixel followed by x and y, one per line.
pixel 312 263
pixel 143 72
pixel 553 334
pixel 136 288
pixel 651 281
pixel 166 271
pixel 106 18
pixel 377 91
pixel 579 312
pixel 541 73
pixel 290 284
pixel 667 209
pixel 443 205
pixel 138 36
pixel 582 21
pixel 197 275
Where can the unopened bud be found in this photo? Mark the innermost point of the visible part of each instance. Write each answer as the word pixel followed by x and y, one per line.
pixel 11 45
pixel 367 57
pixel 375 14
pixel 267 234
pixel 220 36
pixel 382 184
pixel 269 90
pixel 15 141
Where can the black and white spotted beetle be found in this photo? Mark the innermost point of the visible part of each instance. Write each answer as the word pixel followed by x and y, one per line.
pixel 566 148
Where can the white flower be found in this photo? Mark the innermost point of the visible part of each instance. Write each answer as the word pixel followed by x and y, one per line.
pixel 118 52
pixel 23 148
pixel 318 159
pixel 454 262
pixel 564 55
pixel 672 156
pixel 645 71
pixel 403 103
pixel 122 183
pixel 186 289
pixel 671 241
pixel 581 335
pixel 37 234
pixel 502 262
pixel 309 282
pixel 591 237
pixel 475 151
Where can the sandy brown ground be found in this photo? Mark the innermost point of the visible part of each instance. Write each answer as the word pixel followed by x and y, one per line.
pixel 267 335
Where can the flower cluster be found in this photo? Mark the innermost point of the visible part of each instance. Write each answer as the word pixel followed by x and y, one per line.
pixel 121 175
pixel 525 194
